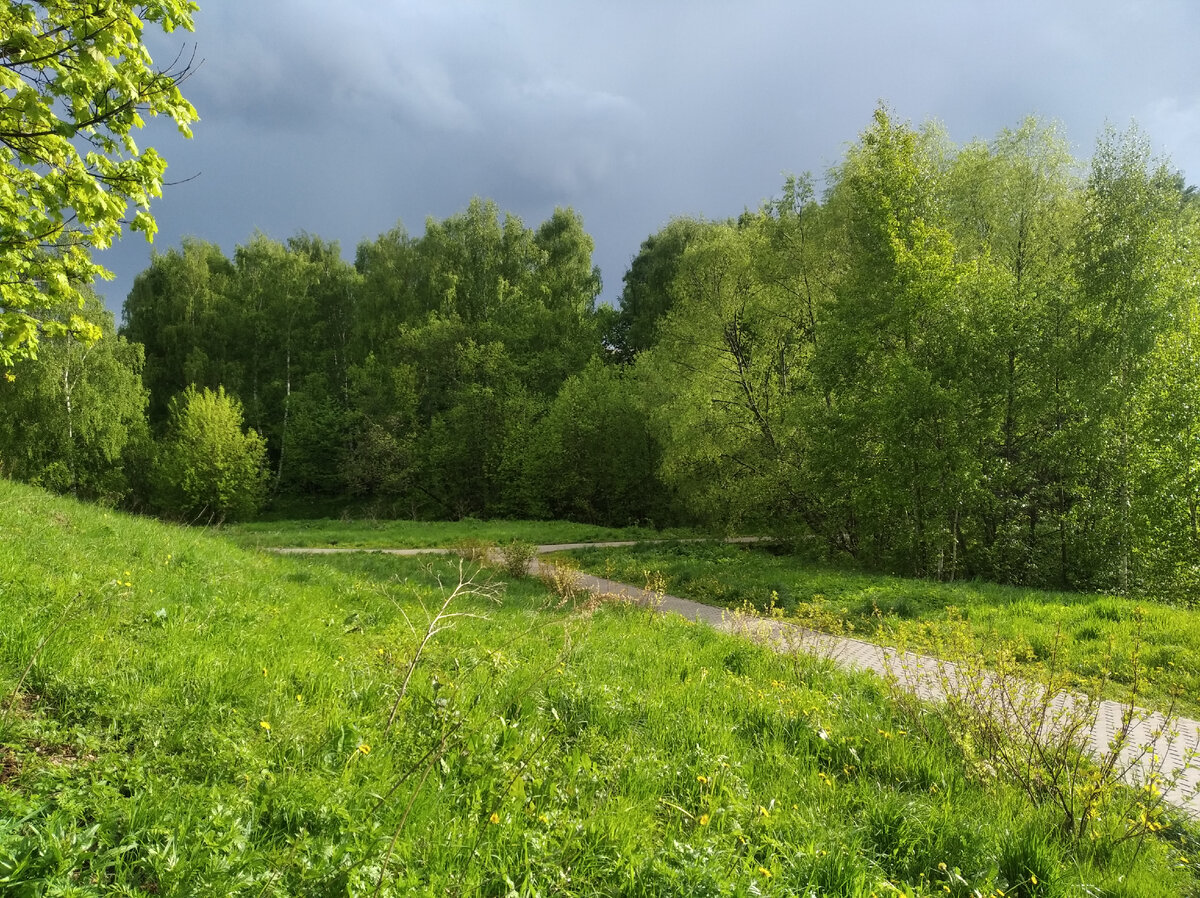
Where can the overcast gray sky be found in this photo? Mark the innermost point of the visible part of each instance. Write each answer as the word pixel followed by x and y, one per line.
pixel 342 117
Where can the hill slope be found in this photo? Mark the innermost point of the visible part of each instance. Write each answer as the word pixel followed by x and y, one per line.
pixel 199 719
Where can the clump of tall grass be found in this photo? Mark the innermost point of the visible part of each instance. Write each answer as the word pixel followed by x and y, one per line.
pixel 515 557
pixel 1040 735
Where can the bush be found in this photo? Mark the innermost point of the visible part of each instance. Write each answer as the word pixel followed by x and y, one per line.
pixel 515 558
pixel 209 468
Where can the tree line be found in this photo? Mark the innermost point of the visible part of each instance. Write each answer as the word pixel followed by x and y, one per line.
pixel 953 362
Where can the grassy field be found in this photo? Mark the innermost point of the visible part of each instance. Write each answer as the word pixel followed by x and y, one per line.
pixel 181 716
pixel 380 534
pixel 1093 633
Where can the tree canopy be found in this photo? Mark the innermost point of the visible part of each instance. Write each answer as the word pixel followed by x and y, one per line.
pixel 76 81
pixel 956 361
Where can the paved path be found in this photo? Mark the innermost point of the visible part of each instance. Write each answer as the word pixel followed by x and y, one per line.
pixel 927 677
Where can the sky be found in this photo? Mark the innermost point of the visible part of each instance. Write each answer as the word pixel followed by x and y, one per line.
pixel 343 118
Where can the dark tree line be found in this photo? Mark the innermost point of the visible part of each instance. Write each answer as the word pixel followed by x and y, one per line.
pixel 432 377
pixel 954 362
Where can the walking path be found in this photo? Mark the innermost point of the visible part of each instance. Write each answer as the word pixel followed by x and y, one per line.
pixel 1155 744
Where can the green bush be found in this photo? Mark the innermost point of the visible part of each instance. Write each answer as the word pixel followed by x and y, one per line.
pixel 209 467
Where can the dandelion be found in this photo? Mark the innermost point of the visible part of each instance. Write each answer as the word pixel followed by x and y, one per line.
pixel 266 726
pixel 299 697
pixel 764 811
pixel 702 779
pixel 942 866
pixel 364 749
pixel 495 818
pixel 264 671
pixel 704 819
pixel 1033 878
pixel 765 872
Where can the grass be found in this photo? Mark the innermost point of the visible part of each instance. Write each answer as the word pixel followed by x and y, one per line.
pixel 1093 632
pixel 379 534
pixel 205 720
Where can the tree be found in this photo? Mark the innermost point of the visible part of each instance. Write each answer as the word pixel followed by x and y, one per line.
pixel 75 82
pixel 181 310
pixel 592 457
pixel 1014 204
pixel 1125 250
pixel 647 296
pixel 69 417
pixel 209 467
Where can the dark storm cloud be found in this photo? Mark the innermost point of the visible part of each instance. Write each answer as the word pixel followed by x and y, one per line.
pixel 341 118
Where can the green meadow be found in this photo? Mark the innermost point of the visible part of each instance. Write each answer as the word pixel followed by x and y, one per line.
pixel 1152 646
pixel 183 716
pixel 383 534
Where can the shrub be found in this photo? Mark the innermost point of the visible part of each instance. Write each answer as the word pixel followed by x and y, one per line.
pixel 209 467
pixel 515 558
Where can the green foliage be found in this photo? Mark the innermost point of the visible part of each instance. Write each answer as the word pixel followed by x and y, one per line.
pixel 958 362
pixel 70 419
pixel 75 81
pixel 962 362
pixel 593 457
pixel 209 467
pixel 515 557
pixel 416 377
pixel 648 293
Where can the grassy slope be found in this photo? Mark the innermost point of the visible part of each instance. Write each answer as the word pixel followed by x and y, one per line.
pixel 612 753
pixel 422 534
pixel 1093 632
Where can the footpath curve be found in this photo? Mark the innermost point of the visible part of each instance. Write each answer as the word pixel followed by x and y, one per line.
pixel 1170 750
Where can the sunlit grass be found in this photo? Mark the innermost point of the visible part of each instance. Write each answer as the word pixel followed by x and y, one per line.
pixel 378 534
pixel 1095 634
pixel 207 720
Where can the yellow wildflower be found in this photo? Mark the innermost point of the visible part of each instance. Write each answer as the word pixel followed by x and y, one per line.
pixel 495 818
pixel 704 819
pixel 266 726
pixel 364 749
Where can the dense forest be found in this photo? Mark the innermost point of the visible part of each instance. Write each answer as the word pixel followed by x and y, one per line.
pixel 971 361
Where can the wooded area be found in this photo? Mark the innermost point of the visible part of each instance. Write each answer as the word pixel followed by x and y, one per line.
pixel 952 361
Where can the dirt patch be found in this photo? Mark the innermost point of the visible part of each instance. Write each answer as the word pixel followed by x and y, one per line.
pixel 62 755
pixel 9 766
pixel 19 705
